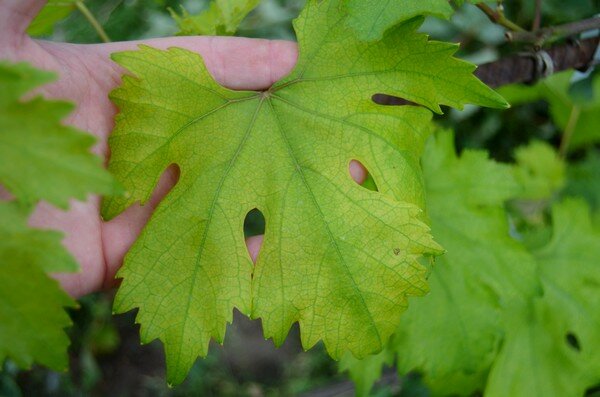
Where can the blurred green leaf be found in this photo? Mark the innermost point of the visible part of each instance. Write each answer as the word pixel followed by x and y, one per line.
pixel 364 373
pixel 53 11
pixel 551 347
pixel 42 159
pixel 222 18
pixel 32 316
pixel 452 335
pixel 539 170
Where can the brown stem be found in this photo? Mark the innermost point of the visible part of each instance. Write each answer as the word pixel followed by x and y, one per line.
pixel 553 33
pixel 522 68
pixel 537 21
pixel 498 18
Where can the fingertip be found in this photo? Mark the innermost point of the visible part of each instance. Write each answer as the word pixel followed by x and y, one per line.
pixel 358 172
pixel 283 56
pixel 254 244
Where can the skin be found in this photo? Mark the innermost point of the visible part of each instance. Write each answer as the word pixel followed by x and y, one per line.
pixel 86 76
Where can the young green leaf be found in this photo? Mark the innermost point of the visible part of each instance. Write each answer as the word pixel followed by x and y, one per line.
pixel 337 258
pixel 32 316
pixel 222 18
pixel 43 159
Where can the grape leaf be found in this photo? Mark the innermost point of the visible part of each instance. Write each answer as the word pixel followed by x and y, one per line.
pixel 337 258
pixel 222 18
pixel 53 11
pixel 551 349
pixel 41 158
pixel 32 318
pixel 370 19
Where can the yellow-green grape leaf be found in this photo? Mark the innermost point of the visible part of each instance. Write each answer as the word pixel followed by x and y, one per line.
pixel 32 315
pixel 552 348
pixel 53 12
pixel 222 18
pixel 539 170
pixel 337 258
pixel 371 19
pixel 42 159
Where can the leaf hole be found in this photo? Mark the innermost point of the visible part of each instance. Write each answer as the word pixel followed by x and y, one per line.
pixel 362 176
pixel 166 183
pixel 254 229
pixel 573 341
pixel 389 100
pixel 254 223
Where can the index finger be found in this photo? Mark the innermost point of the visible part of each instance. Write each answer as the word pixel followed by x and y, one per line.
pixel 235 62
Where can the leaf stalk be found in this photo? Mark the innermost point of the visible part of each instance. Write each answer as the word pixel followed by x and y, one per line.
pixel 93 21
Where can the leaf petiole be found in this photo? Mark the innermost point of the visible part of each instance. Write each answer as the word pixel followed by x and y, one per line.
pixel 92 20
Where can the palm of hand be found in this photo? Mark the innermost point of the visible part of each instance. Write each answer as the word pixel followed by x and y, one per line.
pixel 86 76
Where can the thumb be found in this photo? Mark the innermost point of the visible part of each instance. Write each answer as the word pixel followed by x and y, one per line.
pixel 16 15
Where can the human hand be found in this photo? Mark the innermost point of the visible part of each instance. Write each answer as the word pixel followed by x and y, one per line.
pixel 86 76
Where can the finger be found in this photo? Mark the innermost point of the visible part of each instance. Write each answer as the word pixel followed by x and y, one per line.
pixel 235 62
pixel 253 244
pixel 81 229
pixel 358 172
pixel 119 234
